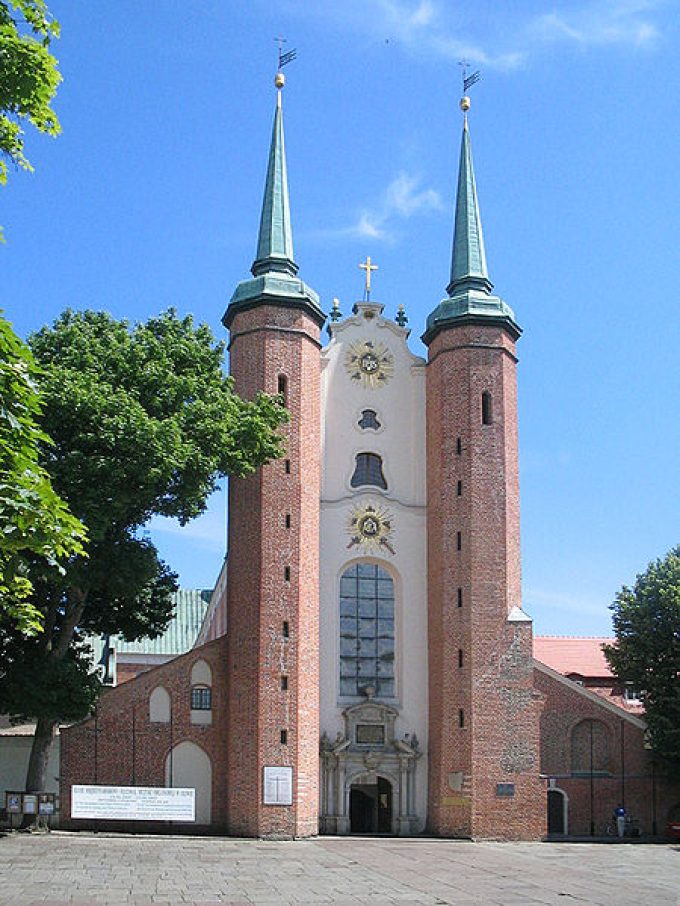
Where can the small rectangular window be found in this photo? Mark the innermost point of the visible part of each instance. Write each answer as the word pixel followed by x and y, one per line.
pixel 287 520
pixel 459 446
pixel 460 657
pixel 461 718
pixel 287 466
pixel 286 629
pixel 286 573
pixel 459 541
pixel 283 388
pixel 201 698
pixel 284 737
pixel 459 489
pixel 460 597
pixel 486 408
pixel 284 683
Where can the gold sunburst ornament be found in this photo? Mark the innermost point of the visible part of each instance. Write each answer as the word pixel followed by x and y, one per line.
pixel 370 364
pixel 370 526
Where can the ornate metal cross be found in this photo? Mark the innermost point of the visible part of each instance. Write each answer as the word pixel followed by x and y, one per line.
pixel 368 267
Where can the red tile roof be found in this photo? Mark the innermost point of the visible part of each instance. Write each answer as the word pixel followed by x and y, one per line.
pixel 570 654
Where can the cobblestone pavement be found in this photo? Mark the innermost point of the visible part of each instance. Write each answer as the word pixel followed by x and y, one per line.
pixel 92 869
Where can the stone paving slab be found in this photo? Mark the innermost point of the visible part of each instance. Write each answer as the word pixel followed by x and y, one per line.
pixel 92 869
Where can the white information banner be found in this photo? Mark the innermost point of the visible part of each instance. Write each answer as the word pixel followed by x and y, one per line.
pixel 278 786
pixel 133 803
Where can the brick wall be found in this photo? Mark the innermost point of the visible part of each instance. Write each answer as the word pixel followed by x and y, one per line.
pixel 130 750
pixel 623 773
pixel 266 342
pixel 473 545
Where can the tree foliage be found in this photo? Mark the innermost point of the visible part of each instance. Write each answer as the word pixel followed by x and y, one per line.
pixel 35 524
pixel 28 77
pixel 144 422
pixel 647 649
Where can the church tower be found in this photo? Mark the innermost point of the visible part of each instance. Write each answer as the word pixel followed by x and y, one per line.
pixel 274 323
pixel 483 712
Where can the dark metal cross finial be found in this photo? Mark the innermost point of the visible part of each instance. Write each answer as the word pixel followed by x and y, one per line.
pixel 469 80
pixel 287 57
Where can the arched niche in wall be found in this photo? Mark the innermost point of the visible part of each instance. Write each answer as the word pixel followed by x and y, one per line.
pixel 188 766
pixel 159 706
pixel 201 693
pixel 590 749
pixel 201 674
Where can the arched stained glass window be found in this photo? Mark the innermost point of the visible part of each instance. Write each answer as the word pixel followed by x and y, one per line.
pixel 366 631
pixel 368 470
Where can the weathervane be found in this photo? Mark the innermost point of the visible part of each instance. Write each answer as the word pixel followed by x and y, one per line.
pixel 468 82
pixel 368 267
pixel 284 59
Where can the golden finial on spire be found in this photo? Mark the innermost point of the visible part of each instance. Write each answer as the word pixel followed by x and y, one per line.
pixel 468 82
pixel 284 58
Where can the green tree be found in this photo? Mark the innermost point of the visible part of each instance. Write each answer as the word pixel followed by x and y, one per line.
pixel 28 78
pixel 36 526
pixel 647 649
pixel 144 423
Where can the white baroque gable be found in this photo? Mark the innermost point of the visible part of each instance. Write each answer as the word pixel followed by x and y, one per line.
pixel 368 365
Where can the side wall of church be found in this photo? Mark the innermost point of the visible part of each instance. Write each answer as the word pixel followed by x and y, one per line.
pixel 129 742
pixel 595 755
pixel 273 579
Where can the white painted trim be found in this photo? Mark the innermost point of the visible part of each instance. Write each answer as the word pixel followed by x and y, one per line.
pixel 356 492
pixel 591 696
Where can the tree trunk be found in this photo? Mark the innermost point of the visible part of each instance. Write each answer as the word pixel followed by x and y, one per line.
pixel 37 764
pixel 40 753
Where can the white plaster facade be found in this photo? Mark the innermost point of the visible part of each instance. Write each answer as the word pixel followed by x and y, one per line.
pixel 399 402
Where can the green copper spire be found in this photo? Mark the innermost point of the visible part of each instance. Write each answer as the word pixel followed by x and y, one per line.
pixel 468 260
pixel 469 299
pixel 275 281
pixel 275 239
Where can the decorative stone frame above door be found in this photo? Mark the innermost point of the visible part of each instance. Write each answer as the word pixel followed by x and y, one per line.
pixel 368 749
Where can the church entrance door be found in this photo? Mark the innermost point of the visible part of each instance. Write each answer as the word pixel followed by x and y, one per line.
pixel 557 812
pixel 370 807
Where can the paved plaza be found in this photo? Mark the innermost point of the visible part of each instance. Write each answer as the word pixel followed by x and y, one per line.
pixel 92 869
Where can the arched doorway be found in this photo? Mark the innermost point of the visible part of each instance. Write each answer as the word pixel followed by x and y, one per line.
pixel 557 812
pixel 370 807
pixel 189 766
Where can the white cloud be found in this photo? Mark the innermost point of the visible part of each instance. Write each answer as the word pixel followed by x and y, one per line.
pixel 402 199
pixel 438 28
pixel 605 22
pixel 208 529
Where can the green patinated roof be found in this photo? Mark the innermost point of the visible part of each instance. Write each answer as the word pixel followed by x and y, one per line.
pixel 469 291
pixel 190 606
pixel 275 239
pixel 274 269
pixel 468 259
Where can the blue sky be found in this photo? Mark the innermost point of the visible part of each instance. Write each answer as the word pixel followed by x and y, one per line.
pixel 150 198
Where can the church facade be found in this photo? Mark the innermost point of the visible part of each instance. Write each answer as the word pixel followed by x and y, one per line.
pixel 377 671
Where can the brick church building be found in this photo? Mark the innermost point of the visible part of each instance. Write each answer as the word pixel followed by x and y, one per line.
pixel 365 665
